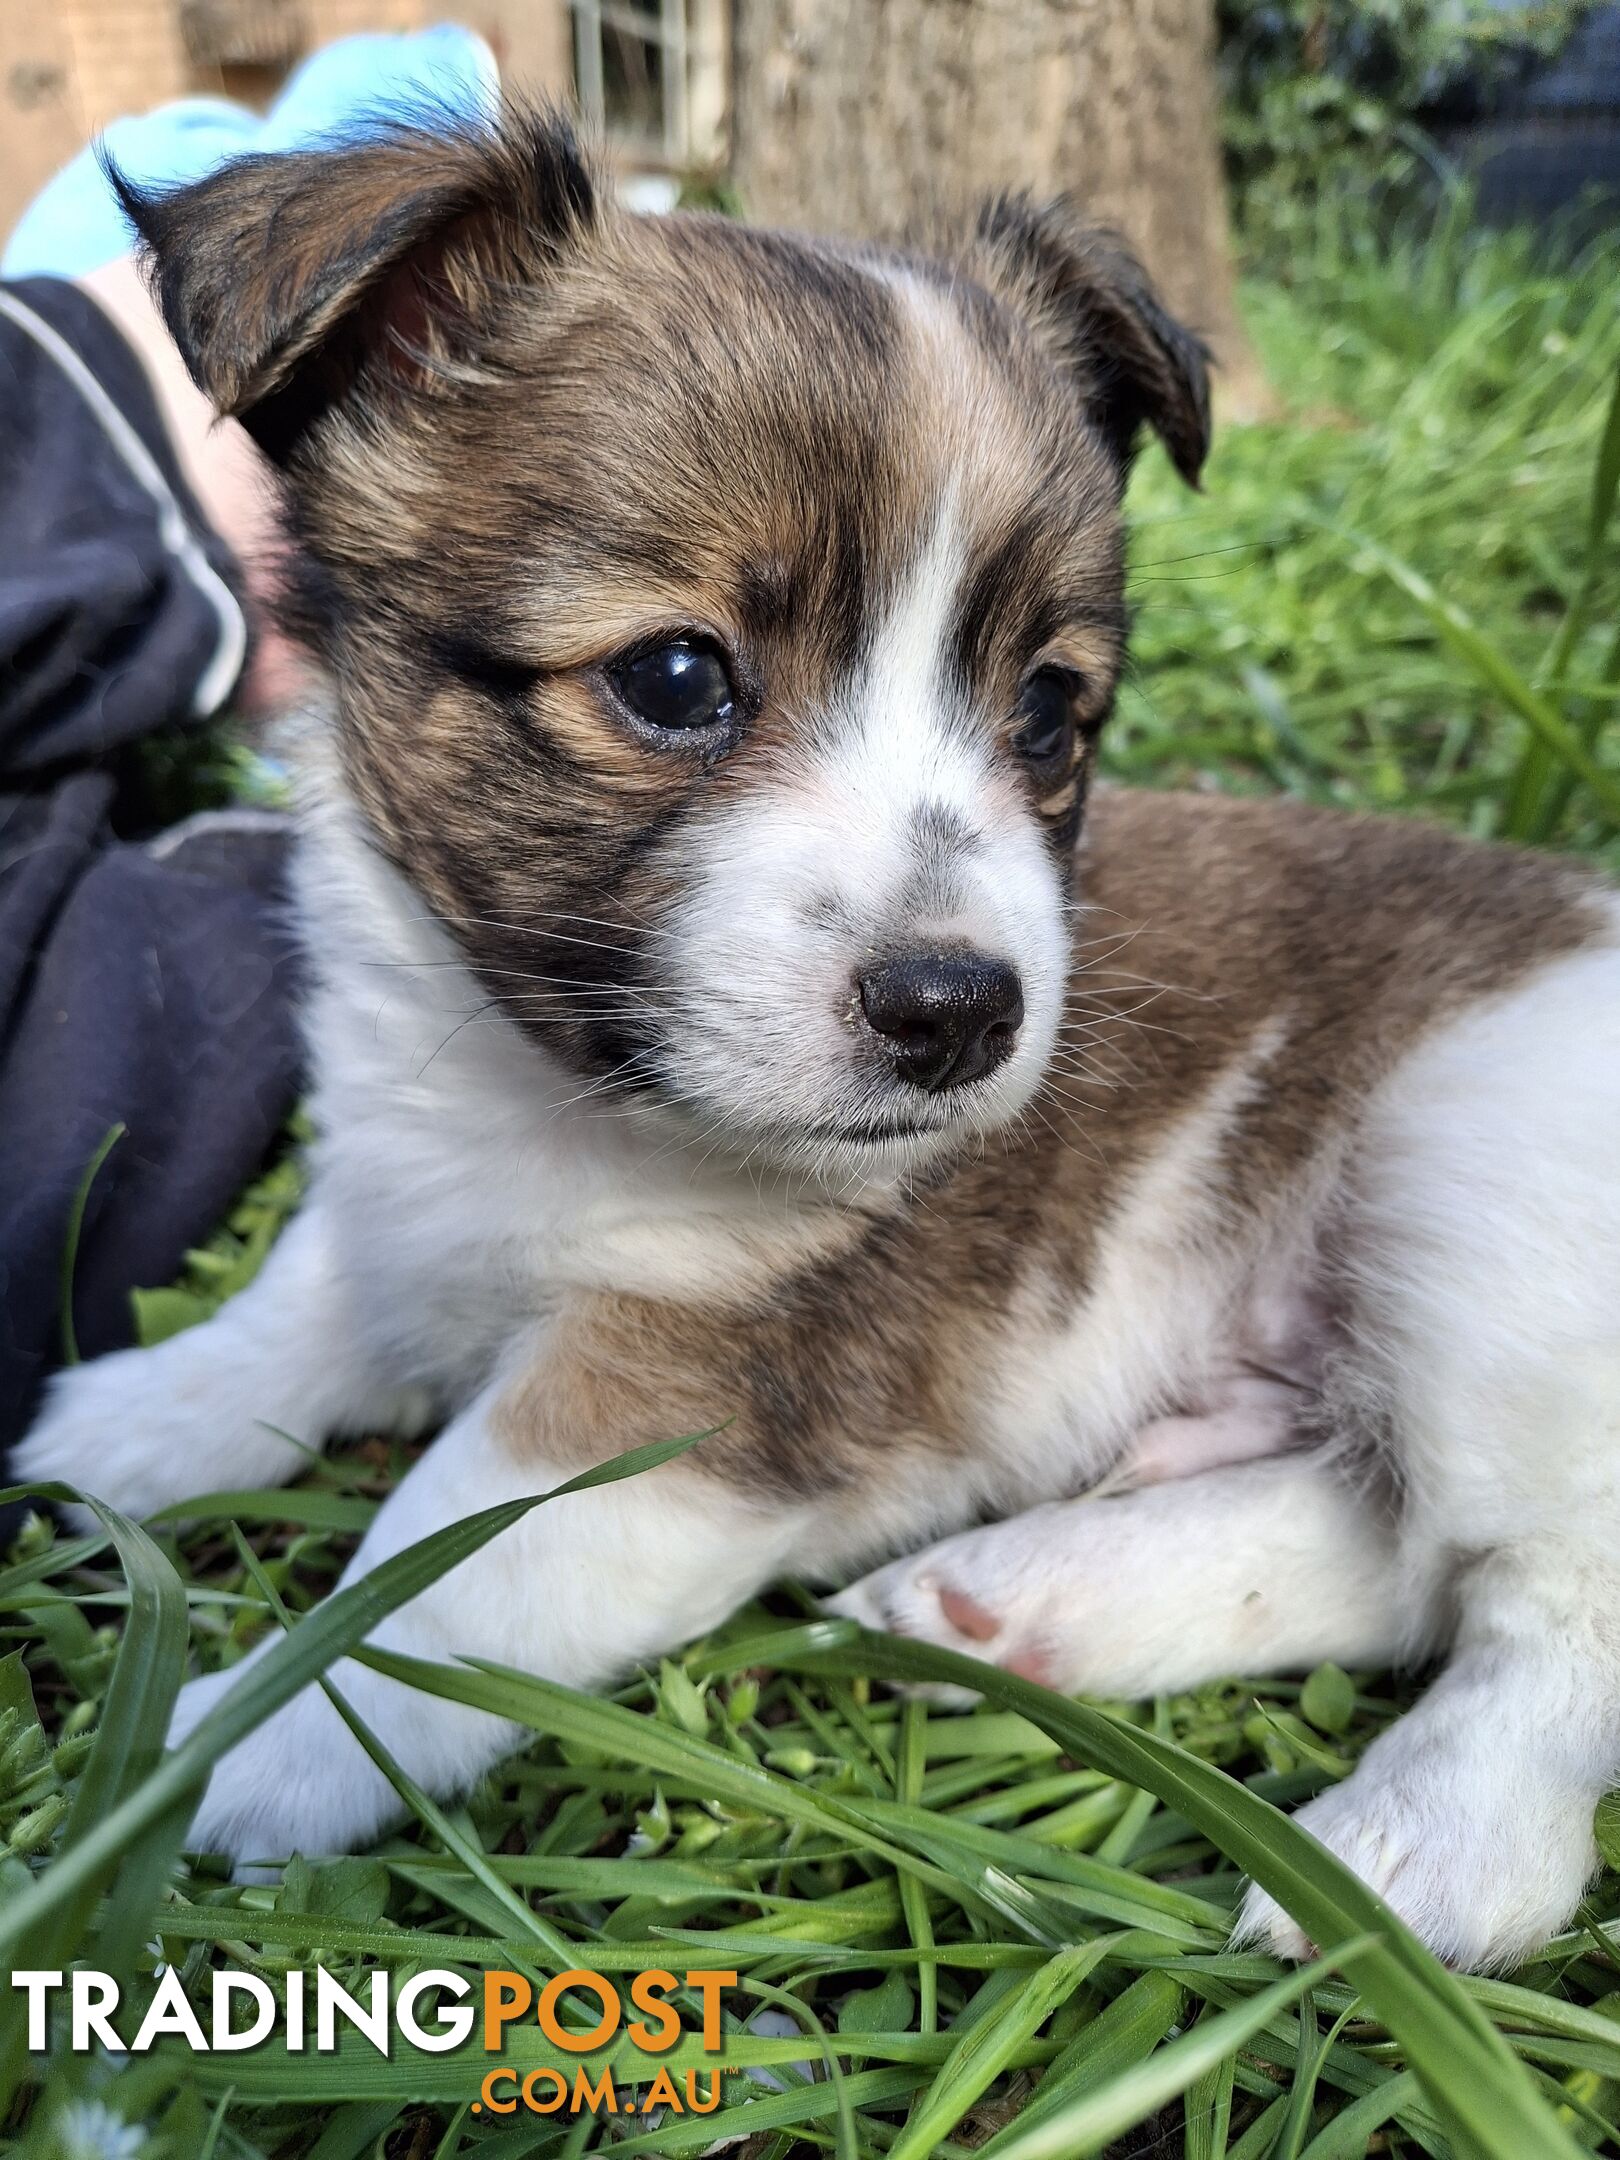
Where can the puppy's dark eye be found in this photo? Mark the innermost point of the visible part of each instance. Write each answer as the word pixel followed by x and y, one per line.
pixel 680 685
pixel 1046 713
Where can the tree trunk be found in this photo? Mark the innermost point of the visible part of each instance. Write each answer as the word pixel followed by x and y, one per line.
pixel 857 116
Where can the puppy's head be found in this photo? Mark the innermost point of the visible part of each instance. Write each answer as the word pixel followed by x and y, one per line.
pixel 721 622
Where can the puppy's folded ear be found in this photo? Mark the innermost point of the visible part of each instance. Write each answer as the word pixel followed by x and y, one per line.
pixel 1094 306
pixel 290 280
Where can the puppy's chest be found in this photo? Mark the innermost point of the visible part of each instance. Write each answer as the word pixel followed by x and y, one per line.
pixel 976 1349
pixel 442 1260
pixel 451 1193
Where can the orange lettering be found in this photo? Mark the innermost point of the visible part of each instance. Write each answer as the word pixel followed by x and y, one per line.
pixel 506 1996
pixel 708 1985
pixel 575 2042
pixel 646 1992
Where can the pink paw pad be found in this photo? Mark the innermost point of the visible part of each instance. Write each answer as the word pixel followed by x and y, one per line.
pixel 967 1615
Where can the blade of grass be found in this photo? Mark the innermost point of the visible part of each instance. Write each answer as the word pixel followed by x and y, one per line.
pixel 129 1740
pixel 909 1765
pixel 1309 2055
pixel 559 1953
pixel 1123 2034
pixel 75 1230
pixel 1208 2112
pixel 848 2145
pixel 985 2050
pixel 1561 787
pixel 1094 2119
pixel 60 1556
pixel 215 2127
pixel 1347 2136
pixel 310 1509
pixel 1495 672
pixel 1112 1892
pixel 1531 805
pixel 1257 2141
pixel 356 2130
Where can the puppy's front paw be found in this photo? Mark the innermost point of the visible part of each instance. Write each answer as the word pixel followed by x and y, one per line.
pixel 300 1783
pixel 1483 1875
pixel 88 1435
pixel 880 1600
pixel 117 1428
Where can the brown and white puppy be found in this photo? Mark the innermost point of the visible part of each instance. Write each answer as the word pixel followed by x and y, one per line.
pixel 722 1020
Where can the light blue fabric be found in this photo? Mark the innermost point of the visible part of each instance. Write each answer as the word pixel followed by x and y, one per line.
pixel 378 78
pixel 74 224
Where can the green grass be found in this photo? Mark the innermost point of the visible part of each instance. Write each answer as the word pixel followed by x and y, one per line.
pixel 1442 412
pixel 1004 1930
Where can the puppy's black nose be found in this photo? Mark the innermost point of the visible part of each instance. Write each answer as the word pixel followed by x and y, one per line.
pixel 946 1017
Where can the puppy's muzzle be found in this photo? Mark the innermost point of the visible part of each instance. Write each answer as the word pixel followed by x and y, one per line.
pixel 943 1017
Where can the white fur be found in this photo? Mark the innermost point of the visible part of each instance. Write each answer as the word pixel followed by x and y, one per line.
pixel 174 1413
pixel 1486 1230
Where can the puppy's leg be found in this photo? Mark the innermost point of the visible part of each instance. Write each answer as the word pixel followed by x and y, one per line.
pixel 140 1428
pixel 1247 1569
pixel 579 1591
pixel 1473 1814
pixel 1484 1239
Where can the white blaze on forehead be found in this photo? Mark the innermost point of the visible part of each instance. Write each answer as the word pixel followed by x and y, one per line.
pixel 909 649
pixel 904 742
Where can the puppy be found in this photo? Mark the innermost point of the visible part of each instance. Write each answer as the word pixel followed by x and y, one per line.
pixel 727 1014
